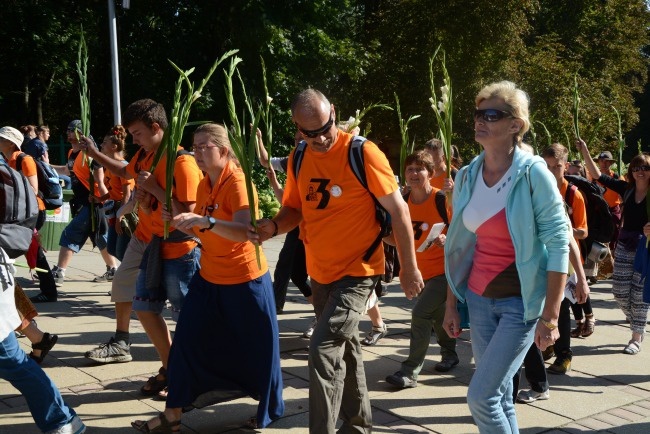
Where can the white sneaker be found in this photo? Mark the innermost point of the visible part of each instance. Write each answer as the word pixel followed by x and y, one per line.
pixel 76 426
pixel 528 396
pixel 310 330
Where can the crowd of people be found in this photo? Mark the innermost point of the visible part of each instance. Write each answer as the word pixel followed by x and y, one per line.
pixel 501 240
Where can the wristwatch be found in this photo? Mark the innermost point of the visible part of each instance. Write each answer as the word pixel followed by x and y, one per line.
pixel 211 221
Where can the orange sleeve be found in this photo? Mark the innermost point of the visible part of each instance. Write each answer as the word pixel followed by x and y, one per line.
pixel 579 215
pixel 29 166
pixel 187 176
pixel 380 176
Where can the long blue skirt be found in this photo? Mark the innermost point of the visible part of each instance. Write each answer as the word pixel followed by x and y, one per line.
pixel 226 346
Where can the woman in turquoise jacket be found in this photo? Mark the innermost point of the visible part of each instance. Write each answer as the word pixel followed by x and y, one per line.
pixel 506 254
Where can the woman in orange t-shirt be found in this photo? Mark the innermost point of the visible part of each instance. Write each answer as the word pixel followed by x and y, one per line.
pixel 230 302
pixel 429 311
pixel 119 191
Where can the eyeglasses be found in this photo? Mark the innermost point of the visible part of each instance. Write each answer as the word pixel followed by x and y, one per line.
pixel 319 132
pixel 491 115
pixel 640 168
pixel 202 147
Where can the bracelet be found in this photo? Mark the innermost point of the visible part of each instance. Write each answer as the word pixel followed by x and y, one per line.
pixel 549 325
pixel 275 232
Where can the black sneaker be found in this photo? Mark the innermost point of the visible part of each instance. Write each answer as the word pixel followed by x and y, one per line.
pixel 401 380
pixel 111 352
pixel 106 277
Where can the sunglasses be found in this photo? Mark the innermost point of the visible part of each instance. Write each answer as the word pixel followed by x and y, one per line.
pixel 319 132
pixel 640 168
pixel 491 115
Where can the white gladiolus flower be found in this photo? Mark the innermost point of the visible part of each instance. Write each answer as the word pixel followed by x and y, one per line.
pixel 431 100
pixel 445 98
pixel 444 90
pixel 441 107
pixel 269 100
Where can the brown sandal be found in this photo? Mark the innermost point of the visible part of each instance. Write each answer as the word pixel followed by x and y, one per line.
pixel 155 385
pixel 577 332
pixel 588 328
pixel 165 427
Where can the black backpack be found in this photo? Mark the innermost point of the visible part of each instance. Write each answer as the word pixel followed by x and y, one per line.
pixel 356 161
pixel 600 225
pixel 49 188
pixel 18 211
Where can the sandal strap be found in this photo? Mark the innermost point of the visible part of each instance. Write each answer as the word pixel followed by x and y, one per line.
pixel 44 344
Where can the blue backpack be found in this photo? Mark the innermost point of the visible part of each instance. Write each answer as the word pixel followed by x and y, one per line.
pixel 49 188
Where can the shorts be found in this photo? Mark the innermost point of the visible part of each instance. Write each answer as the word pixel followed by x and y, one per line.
pixel 176 275
pixel 74 235
pixel 126 275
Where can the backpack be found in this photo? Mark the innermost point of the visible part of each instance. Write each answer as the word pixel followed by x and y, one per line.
pixel 600 225
pixel 356 161
pixel 49 188
pixel 18 211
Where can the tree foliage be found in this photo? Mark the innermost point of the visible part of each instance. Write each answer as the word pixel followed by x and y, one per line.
pixel 356 51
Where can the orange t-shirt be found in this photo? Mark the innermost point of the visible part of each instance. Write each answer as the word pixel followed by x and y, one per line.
pixel 338 214
pixel 577 210
pixel 82 172
pixel 114 185
pixel 223 261
pixel 611 197
pixel 424 215
pixel 28 169
pixel 187 176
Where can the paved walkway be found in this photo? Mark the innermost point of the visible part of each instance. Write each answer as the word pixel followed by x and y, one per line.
pixel 606 391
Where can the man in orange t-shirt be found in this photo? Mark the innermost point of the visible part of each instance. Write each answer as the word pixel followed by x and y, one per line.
pixel 337 224
pixel 138 283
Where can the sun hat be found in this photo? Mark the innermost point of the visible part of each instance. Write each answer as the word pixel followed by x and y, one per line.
pixel 13 135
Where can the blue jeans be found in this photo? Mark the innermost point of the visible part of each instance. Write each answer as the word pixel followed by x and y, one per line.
pixel 116 244
pixel 176 276
pixel 500 340
pixel 74 235
pixel 43 398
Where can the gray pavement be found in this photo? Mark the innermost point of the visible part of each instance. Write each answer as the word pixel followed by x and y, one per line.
pixel 606 391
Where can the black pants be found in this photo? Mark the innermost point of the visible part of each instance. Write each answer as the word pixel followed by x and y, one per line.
pixel 291 265
pixel 563 345
pixel 45 279
pixel 535 372
pixel 585 307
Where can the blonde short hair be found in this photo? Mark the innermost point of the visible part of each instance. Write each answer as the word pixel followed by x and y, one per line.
pixel 515 98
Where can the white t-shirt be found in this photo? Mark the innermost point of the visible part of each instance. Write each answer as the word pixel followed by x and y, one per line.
pixel 9 318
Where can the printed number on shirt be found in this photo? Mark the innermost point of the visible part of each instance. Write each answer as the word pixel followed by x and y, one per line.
pixel 417 230
pixel 313 196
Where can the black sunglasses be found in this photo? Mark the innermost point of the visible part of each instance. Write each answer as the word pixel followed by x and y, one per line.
pixel 491 115
pixel 640 168
pixel 319 132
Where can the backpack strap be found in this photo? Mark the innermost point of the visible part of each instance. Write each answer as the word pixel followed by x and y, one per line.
pixel 19 162
pixel 357 164
pixel 568 199
pixel 356 160
pixel 441 206
pixel 298 155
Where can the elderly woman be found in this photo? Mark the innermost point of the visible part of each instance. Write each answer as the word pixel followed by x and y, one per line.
pixel 628 282
pixel 506 254
pixel 230 303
